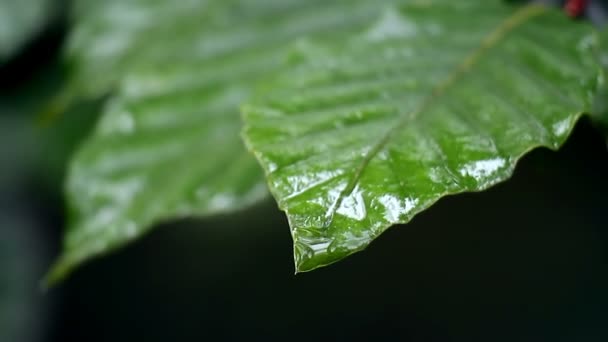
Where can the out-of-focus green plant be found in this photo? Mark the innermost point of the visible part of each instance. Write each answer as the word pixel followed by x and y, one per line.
pixel 20 20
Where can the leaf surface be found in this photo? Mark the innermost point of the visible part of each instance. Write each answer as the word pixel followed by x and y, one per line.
pixel 599 112
pixel 434 98
pixel 168 143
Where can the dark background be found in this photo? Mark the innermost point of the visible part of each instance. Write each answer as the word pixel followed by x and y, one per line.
pixel 524 261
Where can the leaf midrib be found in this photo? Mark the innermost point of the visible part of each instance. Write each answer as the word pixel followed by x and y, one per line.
pixel 509 24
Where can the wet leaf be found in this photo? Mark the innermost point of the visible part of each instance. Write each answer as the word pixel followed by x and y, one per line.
pixel 168 144
pixel 600 106
pixel 435 98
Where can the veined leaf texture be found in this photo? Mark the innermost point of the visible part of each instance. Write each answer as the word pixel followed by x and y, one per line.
pixel 364 113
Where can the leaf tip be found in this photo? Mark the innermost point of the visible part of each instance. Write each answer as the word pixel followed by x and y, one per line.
pixel 58 272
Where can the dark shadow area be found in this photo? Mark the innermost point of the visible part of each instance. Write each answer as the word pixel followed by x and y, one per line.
pixel 35 56
pixel 524 261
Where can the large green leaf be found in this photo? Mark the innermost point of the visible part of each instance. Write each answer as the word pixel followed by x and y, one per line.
pixel 367 78
pixel 168 142
pixel 435 98
pixel 600 105
pixel 19 21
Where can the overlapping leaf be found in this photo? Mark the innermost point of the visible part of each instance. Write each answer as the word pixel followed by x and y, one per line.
pixel 168 143
pixel 436 98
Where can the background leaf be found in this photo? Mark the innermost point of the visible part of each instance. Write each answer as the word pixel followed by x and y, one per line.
pixel 434 99
pixel 19 21
pixel 168 142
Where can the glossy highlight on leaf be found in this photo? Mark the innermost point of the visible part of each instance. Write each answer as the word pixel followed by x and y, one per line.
pixel 434 98
pixel 168 143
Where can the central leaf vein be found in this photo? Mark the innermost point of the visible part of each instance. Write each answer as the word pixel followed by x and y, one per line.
pixel 508 25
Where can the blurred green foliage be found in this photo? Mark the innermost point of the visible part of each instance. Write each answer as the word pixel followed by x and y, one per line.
pixel 20 21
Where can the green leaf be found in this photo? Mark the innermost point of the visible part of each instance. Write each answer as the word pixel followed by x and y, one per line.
pixel 168 142
pixel 600 106
pixel 435 98
pixel 19 21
